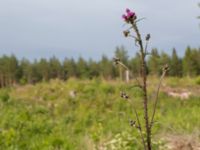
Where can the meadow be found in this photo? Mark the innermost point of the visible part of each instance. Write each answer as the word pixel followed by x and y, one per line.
pixel 46 116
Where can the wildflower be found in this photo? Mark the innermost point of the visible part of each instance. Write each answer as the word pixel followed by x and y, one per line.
pixel 124 17
pixel 128 10
pixel 130 16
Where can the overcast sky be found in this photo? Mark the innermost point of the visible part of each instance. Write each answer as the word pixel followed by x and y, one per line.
pixel 90 28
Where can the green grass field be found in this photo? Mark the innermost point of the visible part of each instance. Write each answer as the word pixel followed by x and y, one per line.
pixel 44 116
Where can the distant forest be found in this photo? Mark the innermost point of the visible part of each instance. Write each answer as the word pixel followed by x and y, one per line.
pixel 14 71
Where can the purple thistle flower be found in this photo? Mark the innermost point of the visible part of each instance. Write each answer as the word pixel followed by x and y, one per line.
pixel 127 10
pixel 130 14
pixel 124 17
pixel 129 17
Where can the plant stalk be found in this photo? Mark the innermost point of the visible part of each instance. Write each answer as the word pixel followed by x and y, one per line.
pixel 156 98
pixel 139 126
pixel 144 80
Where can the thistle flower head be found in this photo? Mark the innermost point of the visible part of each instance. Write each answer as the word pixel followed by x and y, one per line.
pixel 129 17
pixel 124 17
pixel 130 14
pixel 128 10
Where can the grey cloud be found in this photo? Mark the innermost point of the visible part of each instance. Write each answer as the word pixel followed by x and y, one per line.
pixel 40 28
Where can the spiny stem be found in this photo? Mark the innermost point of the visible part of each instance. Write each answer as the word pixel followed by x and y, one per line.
pixel 144 77
pixel 140 129
pixel 139 125
pixel 145 50
pixel 123 65
pixel 156 98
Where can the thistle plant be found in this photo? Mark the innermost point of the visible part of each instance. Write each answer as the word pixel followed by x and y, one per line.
pixel 130 18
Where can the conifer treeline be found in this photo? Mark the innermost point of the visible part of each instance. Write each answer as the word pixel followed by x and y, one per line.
pixel 14 71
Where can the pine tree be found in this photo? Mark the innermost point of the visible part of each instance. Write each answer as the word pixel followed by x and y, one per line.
pixel 93 69
pixel 122 54
pixel 26 68
pixel 82 68
pixel 44 69
pixel 194 62
pixel 13 69
pixel 134 64
pixel 175 65
pixel 154 62
pixel 164 59
pixel 69 68
pixel 2 72
pixel 107 70
pixel 191 62
pixel 55 68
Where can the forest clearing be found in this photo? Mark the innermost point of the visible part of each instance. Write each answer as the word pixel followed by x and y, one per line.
pixel 46 116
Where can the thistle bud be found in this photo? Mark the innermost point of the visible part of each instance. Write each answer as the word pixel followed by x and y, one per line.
pixel 126 33
pixel 116 60
pixel 124 95
pixel 148 37
pixel 165 68
pixel 132 123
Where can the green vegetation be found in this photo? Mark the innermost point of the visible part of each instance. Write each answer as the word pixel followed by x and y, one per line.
pixel 14 71
pixel 45 116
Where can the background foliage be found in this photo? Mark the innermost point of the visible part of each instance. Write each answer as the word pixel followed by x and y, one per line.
pixel 14 71
pixel 45 116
